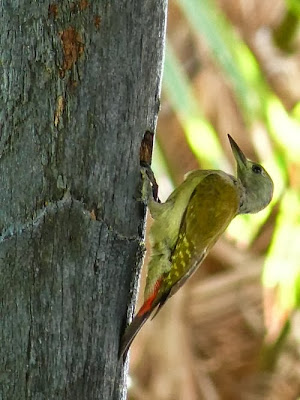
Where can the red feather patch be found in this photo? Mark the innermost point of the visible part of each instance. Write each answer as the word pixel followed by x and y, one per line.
pixel 148 303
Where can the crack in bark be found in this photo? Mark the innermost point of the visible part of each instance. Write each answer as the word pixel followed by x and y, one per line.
pixel 52 208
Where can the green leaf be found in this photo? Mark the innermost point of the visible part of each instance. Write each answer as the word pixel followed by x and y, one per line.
pixel 200 134
pixel 282 266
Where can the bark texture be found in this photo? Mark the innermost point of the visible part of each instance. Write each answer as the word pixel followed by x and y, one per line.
pixel 80 84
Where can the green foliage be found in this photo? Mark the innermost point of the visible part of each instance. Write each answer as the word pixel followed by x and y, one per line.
pixel 207 21
pixel 199 132
pixel 282 265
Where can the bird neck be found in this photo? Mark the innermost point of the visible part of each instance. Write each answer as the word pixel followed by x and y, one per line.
pixel 244 207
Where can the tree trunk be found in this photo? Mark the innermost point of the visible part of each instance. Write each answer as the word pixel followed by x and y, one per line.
pixel 80 84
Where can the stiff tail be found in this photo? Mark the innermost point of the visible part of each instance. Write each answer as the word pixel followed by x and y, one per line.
pixel 138 321
pixel 131 331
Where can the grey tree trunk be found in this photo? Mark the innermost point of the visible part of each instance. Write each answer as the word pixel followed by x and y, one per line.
pixel 80 84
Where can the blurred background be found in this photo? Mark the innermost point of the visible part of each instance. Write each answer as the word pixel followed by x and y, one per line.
pixel 233 331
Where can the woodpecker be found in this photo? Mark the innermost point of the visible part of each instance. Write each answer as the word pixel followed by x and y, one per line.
pixel 190 222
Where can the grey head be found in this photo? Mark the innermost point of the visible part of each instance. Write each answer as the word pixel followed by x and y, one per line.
pixel 255 183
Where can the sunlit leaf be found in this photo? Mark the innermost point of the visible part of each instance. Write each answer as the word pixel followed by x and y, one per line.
pixel 160 170
pixel 284 129
pixel 207 21
pixel 199 132
pixel 282 267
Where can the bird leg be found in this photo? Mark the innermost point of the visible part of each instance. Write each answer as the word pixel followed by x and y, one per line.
pixel 149 177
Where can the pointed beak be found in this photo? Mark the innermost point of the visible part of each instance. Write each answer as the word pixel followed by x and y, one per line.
pixel 237 152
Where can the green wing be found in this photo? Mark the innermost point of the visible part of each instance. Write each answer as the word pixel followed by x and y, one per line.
pixel 213 204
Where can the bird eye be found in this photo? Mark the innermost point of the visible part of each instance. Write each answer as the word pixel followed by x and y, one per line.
pixel 256 169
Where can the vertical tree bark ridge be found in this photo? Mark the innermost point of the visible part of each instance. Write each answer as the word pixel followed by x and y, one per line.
pixel 80 85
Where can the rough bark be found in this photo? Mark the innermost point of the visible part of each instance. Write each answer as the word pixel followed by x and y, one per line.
pixel 80 85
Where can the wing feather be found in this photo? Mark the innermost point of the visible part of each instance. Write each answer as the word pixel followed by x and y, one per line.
pixel 213 204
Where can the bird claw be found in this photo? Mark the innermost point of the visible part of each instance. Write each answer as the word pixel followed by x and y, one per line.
pixel 149 185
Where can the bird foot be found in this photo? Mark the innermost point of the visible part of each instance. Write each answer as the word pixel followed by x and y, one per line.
pixel 149 188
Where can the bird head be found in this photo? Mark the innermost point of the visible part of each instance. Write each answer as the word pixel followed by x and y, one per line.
pixel 256 182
